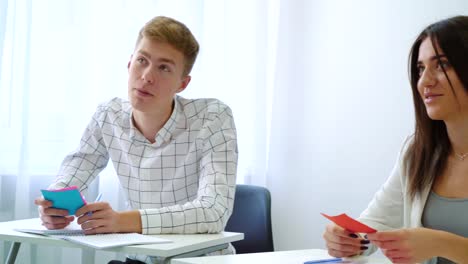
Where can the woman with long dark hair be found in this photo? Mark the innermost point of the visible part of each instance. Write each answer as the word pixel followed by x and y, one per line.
pixel 421 212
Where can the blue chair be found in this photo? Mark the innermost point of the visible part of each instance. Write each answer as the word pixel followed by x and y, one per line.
pixel 252 216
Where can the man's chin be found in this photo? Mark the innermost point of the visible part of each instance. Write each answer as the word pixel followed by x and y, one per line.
pixel 139 105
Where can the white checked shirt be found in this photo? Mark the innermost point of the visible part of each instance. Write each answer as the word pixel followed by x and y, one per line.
pixel 182 183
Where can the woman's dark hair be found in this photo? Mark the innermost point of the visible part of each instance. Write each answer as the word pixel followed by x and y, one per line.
pixel 426 156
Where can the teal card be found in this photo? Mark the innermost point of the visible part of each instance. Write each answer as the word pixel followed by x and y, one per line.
pixel 68 198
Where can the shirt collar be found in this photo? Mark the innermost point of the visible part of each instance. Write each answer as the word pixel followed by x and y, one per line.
pixel 165 133
pixel 134 133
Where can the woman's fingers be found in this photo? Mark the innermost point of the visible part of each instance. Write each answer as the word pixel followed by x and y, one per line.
pixel 343 243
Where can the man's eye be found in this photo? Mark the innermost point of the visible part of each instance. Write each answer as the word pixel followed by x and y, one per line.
pixel 141 60
pixel 164 68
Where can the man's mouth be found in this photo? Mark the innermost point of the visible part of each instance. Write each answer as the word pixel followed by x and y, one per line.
pixel 142 92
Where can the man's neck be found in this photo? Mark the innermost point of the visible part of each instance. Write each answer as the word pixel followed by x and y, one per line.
pixel 149 124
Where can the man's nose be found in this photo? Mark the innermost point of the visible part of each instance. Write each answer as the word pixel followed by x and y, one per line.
pixel 148 76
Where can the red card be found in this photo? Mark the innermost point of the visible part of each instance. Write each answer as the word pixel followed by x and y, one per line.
pixel 350 224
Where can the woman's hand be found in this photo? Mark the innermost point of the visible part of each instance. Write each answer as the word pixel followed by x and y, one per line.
pixel 342 243
pixel 412 245
pixel 52 218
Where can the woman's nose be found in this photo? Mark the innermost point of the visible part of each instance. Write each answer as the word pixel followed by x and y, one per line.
pixel 427 78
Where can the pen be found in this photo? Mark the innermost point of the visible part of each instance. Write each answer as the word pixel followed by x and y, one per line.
pixel 98 198
pixel 324 261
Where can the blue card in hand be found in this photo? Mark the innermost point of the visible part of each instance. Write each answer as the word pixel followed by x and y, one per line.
pixel 68 198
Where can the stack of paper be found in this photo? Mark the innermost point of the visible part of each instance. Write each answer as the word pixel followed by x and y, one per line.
pixel 99 241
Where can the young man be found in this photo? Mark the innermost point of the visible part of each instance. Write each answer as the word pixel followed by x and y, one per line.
pixel 175 158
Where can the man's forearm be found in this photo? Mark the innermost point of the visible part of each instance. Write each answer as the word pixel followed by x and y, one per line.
pixel 129 222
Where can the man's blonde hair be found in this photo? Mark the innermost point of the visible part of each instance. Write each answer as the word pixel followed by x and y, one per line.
pixel 174 33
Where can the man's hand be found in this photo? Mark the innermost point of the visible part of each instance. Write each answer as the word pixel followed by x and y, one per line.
pixel 99 218
pixel 52 218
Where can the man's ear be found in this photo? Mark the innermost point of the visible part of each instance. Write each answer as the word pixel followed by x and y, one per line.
pixel 129 62
pixel 184 83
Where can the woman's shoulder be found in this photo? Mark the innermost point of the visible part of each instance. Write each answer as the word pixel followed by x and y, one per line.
pixel 407 143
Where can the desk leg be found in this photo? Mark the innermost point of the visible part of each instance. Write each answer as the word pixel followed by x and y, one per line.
pixel 196 253
pixel 13 252
pixel 88 255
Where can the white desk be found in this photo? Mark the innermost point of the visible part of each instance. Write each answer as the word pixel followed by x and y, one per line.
pixel 278 257
pixel 181 246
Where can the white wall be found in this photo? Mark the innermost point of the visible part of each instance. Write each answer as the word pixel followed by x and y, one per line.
pixel 351 61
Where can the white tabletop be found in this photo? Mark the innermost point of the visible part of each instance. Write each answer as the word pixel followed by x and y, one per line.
pixel 180 243
pixel 278 257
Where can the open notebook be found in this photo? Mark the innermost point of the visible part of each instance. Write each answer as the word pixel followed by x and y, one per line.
pixel 100 241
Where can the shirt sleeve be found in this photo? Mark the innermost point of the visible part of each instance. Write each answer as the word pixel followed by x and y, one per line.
pixel 211 209
pixel 386 210
pixel 81 166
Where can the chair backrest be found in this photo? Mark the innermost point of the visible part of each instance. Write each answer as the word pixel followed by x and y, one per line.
pixel 252 216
